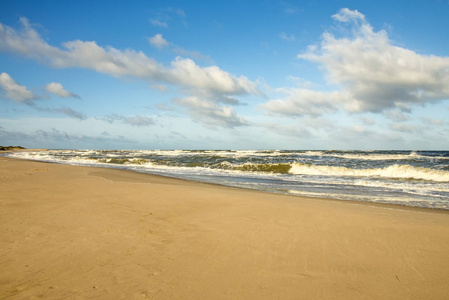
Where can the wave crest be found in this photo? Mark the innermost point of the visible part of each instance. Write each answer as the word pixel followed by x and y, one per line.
pixel 393 171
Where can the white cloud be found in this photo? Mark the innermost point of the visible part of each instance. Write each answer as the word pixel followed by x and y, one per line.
pixel 211 83
pixel 21 94
pixel 166 15
pixel 120 63
pixel 373 74
pixel 58 90
pixel 27 42
pixel 347 15
pixel 70 112
pixel 158 23
pixel 64 110
pixel 15 91
pixel 158 41
pixel 136 120
pixel 192 54
pixel 377 74
pixel 185 72
pixel 301 102
pixel 160 87
pixel 210 113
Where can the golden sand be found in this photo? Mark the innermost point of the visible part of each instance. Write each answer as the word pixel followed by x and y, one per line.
pixel 71 232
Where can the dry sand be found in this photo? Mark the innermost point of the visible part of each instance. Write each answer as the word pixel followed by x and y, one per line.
pixel 72 232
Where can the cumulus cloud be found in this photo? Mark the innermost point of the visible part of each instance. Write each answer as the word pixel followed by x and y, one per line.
pixel 373 74
pixel 347 15
pixel 132 120
pixel 120 63
pixel 158 41
pixel 15 91
pixel 21 94
pixel 211 82
pixel 301 102
pixel 211 113
pixel 58 90
pixel 185 72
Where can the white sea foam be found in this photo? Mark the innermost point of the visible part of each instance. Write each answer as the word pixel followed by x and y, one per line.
pixel 393 171
pixel 371 156
pixel 357 175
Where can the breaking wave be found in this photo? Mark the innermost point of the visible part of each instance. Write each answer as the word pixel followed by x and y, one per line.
pixel 417 178
pixel 393 171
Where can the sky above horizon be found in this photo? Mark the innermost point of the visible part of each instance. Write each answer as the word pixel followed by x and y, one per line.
pixel 368 75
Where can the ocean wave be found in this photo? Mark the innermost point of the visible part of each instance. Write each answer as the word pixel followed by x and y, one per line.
pixel 393 171
pixel 414 155
pixel 422 178
pixel 282 168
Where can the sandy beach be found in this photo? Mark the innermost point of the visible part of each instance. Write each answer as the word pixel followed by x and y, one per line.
pixel 70 232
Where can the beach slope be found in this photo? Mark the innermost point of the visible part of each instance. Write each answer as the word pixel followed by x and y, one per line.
pixel 69 232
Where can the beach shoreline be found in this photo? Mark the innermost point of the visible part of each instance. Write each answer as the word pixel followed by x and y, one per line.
pixel 384 205
pixel 81 232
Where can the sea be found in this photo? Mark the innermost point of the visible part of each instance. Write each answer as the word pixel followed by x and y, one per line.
pixel 410 178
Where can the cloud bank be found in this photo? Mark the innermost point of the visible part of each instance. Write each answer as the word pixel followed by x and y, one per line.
pixel 55 138
pixel 373 74
pixel 211 82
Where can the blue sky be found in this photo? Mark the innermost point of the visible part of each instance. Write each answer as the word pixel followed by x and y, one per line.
pixel 225 74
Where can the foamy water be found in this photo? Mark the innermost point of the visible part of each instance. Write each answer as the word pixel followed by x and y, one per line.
pixel 414 178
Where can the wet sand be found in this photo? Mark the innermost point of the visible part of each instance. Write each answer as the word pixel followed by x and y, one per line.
pixel 69 232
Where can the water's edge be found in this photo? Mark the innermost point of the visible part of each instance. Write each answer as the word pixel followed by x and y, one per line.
pixel 380 205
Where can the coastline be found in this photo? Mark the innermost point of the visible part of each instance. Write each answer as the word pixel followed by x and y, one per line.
pixel 83 232
pixel 381 204
pixel 407 178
